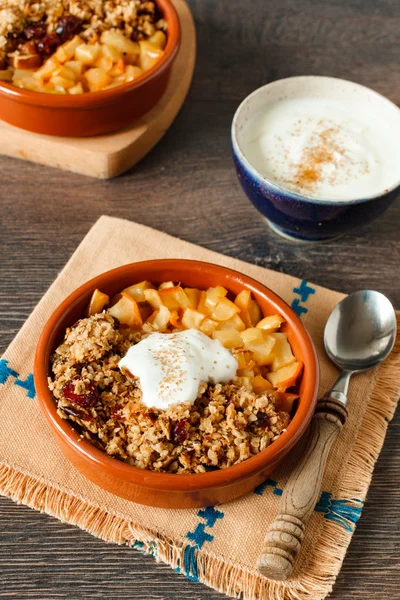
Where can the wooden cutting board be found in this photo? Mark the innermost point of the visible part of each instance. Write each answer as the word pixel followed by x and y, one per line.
pixel 106 156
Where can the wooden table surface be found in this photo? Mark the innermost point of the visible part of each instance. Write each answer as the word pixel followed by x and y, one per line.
pixel 187 187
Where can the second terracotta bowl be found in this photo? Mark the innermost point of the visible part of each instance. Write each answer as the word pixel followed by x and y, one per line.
pixel 94 113
pixel 164 489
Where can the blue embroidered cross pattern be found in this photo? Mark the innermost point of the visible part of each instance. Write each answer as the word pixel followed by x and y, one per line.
pixel 199 536
pixel 344 512
pixel 27 384
pixel 304 291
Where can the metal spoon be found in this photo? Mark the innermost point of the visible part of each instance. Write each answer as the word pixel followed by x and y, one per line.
pixel 359 335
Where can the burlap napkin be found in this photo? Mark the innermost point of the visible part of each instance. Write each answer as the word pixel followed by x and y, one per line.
pixel 217 546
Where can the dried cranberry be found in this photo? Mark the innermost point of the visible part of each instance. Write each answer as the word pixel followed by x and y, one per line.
pixel 68 26
pixel 179 431
pixel 49 44
pixel 262 420
pixel 80 414
pixel 86 400
pixel 116 412
pixel 35 30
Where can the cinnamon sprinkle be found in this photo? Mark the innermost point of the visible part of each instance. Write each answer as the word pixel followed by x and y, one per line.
pixel 325 150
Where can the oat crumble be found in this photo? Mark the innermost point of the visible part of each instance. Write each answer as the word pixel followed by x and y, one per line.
pixel 227 424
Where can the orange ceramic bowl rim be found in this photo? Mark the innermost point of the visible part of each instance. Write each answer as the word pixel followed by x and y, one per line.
pixel 171 481
pixel 87 100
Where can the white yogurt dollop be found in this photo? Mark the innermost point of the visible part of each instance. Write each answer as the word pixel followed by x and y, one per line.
pixel 171 366
pixel 323 148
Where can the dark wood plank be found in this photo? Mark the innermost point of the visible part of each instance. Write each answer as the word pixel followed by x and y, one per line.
pixel 187 187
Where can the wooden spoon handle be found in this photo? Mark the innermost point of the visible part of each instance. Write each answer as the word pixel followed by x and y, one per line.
pixel 285 534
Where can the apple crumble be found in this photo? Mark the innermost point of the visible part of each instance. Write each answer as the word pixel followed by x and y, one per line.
pixel 225 423
pixel 75 46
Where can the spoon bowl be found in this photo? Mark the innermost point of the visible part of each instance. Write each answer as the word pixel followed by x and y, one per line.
pixel 360 331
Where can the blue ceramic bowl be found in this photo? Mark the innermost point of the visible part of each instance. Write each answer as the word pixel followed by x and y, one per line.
pixel 299 217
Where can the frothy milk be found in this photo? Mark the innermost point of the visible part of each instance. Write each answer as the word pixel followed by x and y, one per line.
pixel 322 148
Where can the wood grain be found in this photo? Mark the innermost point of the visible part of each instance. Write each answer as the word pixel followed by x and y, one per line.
pixel 285 534
pixel 106 156
pixel 187 187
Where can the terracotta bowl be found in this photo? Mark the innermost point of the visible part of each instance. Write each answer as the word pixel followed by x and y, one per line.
pixel 163 489
pixel 93 113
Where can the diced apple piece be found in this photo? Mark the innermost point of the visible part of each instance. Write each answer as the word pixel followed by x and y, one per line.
pixel 229 338
pixel 174 319
pixel 245 373
pixel 235 322
pixel 66 72
pixel 49 88
pixel 97 79
pixel 271 323
pixel 87 53
pixel 118 69
pixel 62 82
pixel 243 359
pixel 132 72
pixel 285 401
pixel 260 384
pixel 254 313
pixel 27 61
pixel 224 310
pixel 26 78
pixel 282 351
pixel 245 382
pixel 149 55
pixel 208 326
pixel 191 318
pixel 126 310
pixel 119 41
pixel 47 69
pixel 263 358
pixel 137 290
pixel 202 304
pixel 138 321
pixel 252 337
pixel 76 89
pixel 285 377
pixel 111 52
pixel 194 296
pixel 174 298
pixel 97 302
pixel 104 62
pixel 165 285
pixel 153 297
pixel 209 299
pixel 160 318
pixel 260 345
pixel 243 301
pixel 158 39
pixel 67 50
pixel 75 66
